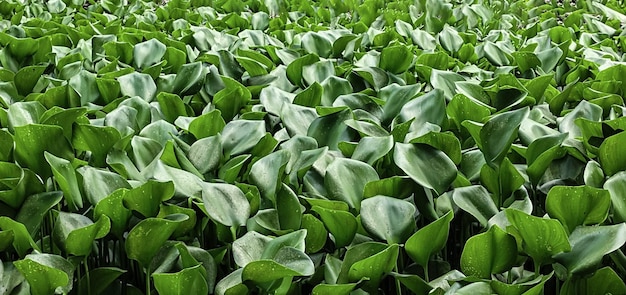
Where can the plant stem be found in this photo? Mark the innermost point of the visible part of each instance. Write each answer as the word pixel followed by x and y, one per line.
pixel 426 272
pixel 87 276
pixel 398 286
pixel 148 281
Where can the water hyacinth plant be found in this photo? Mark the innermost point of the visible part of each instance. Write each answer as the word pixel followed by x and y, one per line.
pixel 312 147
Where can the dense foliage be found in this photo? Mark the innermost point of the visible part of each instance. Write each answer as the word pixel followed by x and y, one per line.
pixel 325 147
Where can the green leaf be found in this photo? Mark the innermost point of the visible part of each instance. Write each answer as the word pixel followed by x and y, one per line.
pixel 428 108
pixel 189 79
pixel 316 233
pixel 446 142
pixel 463 108
pixel 346 178
pixel 6 146
pixel 148 53
pixel 611 159
pixel 579 205
pixel 498 133
pixel 31 141
pixel 24 113
pixel 414 283
pixel 138 84
pixel 335 289
pixel 225 203
pixel 85 85
pixel 35 208
pixel 492 252
pixel 264 271
pixel 98 184
pixel 399 187
pixel 98 280
pixel 231 99
pixel 187 281
pixel 317 44
pixel 429 240
pixel 541 238
pixel 388 218
pixel 330 129
pixel 236 142
pixel 446 81
pixel 396 59
pixel 603 281
pixel 65 176
pixel 27 77
pixel 616 185
pixel 294 69
pixel 288 208
pixel 22 241
pixel 146 198
pixel 540 154
pixel 205 154
pixel 155 230
pixel 207 125
pixel 172 106
pixel 372 149
pixel 341 224
pixel 113 207
pixel 99 140
pixel 375 267
pixel 426 165
pixel 46 272
pixel 477 201
pixel 268 172
pixel 76 233
pixel 311 96
pixel 589 245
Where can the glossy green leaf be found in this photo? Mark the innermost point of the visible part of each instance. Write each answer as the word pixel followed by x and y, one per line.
pixel 75 233
pixel 99 279
pixel 603 281
pixel 575 206
pixel 374 267
pixel 97 139
pixel 541 238
pixel 148 53
pixel 498 133
pixel 589 245
pixel 396 59
pixel 146 199
pixel 35 208
pixel 388 218
pixel 268 172
pixel 112 206
pixel 616 185
pixel 31 141
pixel 611 160
pixel 426 165
pixel 316 233
pixel 186 281
pixel 46 273
pixel 22 241
pixel 26 78
pixel 492 252
pixel 345 180
pixel 156 230
pixel 138 84
pixel 429 240
pixel 225 203
pixel 341 224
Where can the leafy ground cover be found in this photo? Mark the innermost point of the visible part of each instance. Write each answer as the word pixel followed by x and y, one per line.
pixel 326 147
